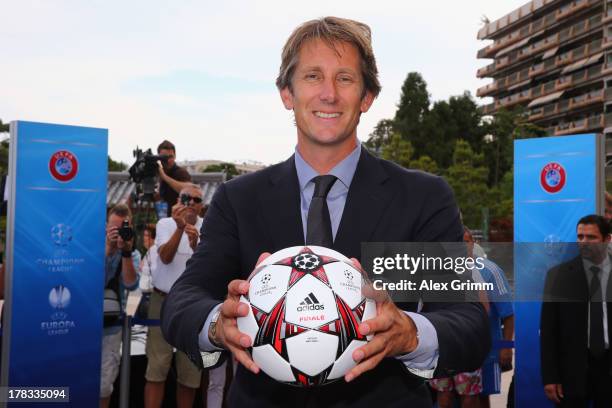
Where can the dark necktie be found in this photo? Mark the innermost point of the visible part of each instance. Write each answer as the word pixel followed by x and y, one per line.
pixel 596 335
pixel 318 227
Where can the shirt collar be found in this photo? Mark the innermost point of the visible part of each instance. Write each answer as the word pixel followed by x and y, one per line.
pixel 344 171
pixel 604 266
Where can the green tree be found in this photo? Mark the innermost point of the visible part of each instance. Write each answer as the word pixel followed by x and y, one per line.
pixel 425 163
pixel 446 122
pixel 397 150
pixel 468 178
pixel 380 135
pixel 504 127
pixel 412 108
pixel 4 148
pixel 116 166
pixel 4 127
pixel 228 168
pixel 4 157
pixel 501 198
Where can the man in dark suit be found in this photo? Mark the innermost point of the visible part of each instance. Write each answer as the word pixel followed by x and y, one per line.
pixel 576 321
pixel 334 193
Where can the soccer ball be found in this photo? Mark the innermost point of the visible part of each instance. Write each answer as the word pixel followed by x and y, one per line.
pixel 306 304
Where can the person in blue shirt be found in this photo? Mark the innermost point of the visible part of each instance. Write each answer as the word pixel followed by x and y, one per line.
pixel 501 324
pixel 122 271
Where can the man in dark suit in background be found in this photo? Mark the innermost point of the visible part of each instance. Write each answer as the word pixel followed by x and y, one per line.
pixel 333 193
pixel 576 321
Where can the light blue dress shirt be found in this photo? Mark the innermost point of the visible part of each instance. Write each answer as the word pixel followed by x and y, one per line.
pixel 423 360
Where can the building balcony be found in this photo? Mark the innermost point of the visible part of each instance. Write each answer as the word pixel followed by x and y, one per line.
pixel 487 89
pixel 571 127
pixel 607 17
pixel 563 83
pixel 588 99
pixel 580 125
pixel 572 8
pixel 499 44
pixel 536 114
pixel 606 43
pixel 488 109
pixel 536 69
pixel 606 69
pixel 485 71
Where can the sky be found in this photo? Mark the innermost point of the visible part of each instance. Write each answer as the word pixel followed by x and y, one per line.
pixel 201 73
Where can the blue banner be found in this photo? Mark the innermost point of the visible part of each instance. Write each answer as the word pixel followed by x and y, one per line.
pixel 55 239
pixel 555 184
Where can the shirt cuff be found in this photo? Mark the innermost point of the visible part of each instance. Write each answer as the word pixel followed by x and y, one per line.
pixel 203 340
pixel 423 360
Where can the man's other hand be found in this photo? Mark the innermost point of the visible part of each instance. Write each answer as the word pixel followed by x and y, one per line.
pixel 554 392
pixel 178 215
pixel 228 334
pixel 112 233
pixel 192 234
pixel 505 357
pixel 394 333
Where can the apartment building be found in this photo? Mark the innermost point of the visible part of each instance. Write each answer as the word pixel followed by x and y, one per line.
pixel 554 57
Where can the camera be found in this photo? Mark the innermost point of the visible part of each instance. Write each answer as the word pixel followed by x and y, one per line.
pixel 145 166
pixel 126 232
pixel 185 199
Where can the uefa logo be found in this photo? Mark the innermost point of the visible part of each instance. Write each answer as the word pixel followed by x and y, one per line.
pixel 552 178
pixel 63 166
pixel 61 234
pixel 59 297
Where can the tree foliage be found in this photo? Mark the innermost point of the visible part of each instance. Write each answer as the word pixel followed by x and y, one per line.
pixel 451 138
pixel 4 127
pixel 468 178
pixel 397 150
pixel 115 165
pixel 413 106
pixel 4 149
pixel 228 168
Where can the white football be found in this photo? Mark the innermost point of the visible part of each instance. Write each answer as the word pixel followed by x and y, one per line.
pixel 306 304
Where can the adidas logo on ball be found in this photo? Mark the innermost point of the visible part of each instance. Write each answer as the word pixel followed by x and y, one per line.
pixel 310 303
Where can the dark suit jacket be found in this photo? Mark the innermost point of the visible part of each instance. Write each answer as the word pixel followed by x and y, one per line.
pixel 564 327
pixel 260 212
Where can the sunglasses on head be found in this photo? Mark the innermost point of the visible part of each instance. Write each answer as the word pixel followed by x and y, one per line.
pixel 185 198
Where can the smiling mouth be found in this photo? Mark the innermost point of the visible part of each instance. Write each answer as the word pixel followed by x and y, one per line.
pixel 327 115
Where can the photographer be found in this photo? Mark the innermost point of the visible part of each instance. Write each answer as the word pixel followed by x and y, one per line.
pixel 177 238
pixel 170 173
pixel 121 272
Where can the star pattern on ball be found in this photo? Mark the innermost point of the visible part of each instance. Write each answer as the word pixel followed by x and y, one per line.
pixel 266 278
pixel 307 263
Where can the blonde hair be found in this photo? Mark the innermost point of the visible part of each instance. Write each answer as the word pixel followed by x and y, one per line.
pixel 331 30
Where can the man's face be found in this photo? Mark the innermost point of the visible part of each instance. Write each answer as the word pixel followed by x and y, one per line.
pixel 327 93
pixel 591 243
pixel 115 220
pixel 114 223
pixel 146 239
pixel 171 157
pixel 194 208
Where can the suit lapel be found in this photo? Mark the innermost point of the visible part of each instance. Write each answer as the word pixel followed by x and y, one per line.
pixel 365 204
pixel 280 206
